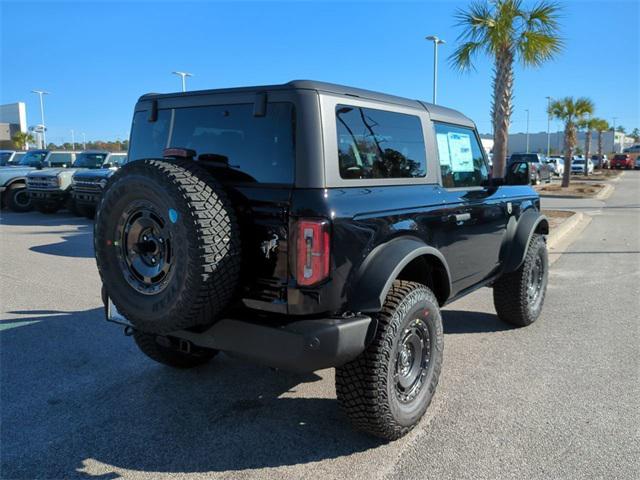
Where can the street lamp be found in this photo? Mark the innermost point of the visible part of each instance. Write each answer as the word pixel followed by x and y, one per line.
pixel 183 76
pixel 84 141
pixel 527 110
pixel 73 140
pixel 614 134
pixel 548 126
pixel 436 41
pixel 44 129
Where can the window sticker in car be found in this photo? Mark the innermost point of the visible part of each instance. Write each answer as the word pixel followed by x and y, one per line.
pixel 461 156
pixel 443 149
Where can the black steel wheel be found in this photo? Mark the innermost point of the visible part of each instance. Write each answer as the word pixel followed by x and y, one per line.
pixel 388 388
pixel 167 245
pixel 518 296
pixel 18 199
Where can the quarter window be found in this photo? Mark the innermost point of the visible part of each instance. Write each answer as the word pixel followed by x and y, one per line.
pixel 462 163
pixel 379 144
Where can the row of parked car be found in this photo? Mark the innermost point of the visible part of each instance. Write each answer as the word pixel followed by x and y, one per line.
pixel 49 180
pixel 542 168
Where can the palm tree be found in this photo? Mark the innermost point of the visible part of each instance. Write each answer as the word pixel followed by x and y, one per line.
pixel 621 129
pixel 571 112
pixel 506 32
pixel 21 139
pixel 635 133
pixel 601 126
pixel 590 125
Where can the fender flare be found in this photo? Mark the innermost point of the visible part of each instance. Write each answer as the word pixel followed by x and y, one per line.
pixel 383 265
pixel 519 236
pixel 16 180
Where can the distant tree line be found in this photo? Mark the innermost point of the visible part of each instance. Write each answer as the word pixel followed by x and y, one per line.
pixel 110 146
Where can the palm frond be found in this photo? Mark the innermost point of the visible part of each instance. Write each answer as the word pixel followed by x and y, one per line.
pixel 535 48
pixel 462 58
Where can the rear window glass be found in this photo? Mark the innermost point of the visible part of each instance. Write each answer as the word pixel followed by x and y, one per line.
pixel 620 157
pixel 149 139
pixel 261 148
pixel 520 157
pixel 379 144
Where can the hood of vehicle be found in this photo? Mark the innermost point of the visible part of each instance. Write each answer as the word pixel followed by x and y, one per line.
pixel 92 174
pixel 51 172
pixel 7 173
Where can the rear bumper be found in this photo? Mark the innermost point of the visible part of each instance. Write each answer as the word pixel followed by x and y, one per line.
pixel 298 346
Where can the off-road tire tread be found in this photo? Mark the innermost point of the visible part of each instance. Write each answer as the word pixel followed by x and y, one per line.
pixel 211 284
pixel 360 384
pixel 149 346
pixel 510 290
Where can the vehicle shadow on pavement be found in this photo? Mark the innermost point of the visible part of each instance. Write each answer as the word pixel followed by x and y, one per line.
pixel 462 321
pixel 79 400
pixel 76 244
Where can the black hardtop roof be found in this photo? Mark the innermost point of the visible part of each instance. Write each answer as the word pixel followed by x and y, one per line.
pixel 442 113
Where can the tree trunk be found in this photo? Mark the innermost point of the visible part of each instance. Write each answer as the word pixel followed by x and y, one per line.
pixel 587 146
pixel 600 143
pixel 569 145
pixel 501 109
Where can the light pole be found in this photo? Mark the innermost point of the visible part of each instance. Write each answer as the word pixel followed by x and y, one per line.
pixel 527 110
pixel 436 41
pixel 183 76
pixel 44 128
pixel 614 134
pixel 73 140
pixel 548 126
pixel 84 141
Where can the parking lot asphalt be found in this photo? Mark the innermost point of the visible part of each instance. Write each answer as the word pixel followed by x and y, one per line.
pixel 558 399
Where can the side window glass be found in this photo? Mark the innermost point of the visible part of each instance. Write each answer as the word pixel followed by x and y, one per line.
pixel 461 161
pixel 379 144
pixel 149 139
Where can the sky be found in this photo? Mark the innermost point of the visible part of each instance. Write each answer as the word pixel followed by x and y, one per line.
pixel 96 59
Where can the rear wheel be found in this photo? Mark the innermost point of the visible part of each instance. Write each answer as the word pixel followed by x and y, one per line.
pixel 167 245
pixel 169 351
pixel 387 389
pixel 518 296
pixel 18 199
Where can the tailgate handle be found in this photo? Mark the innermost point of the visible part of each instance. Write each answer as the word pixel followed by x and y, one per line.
pixel 460 217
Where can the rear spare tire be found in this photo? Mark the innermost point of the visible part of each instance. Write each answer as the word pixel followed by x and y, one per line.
pixel 167 245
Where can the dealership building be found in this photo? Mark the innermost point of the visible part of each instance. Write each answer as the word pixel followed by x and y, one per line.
pixel 13 119
pixel 611 142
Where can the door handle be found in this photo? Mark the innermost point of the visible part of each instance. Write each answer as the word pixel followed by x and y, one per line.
pixel 460 217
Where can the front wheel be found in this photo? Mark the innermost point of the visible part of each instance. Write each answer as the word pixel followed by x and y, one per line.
pixel 518 296
pixel 387 389
pixel 18 199
pixel 46 207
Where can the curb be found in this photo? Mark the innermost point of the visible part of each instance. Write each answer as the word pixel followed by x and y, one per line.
pixel 565 234
pixel 605 192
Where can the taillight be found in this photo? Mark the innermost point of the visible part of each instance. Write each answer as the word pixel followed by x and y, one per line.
pixel 312 252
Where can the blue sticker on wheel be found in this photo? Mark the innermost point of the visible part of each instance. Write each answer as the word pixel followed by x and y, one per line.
pixel 173 215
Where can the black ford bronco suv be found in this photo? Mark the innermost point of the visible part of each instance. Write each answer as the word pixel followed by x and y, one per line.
pixel 311 225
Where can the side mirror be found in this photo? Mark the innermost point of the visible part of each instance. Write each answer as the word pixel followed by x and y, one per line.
pixel 39 166
pixel 517 174
pixel 107 165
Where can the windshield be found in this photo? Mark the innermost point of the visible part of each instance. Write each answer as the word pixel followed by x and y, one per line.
pixel 33 159
pixel 578 162
pixel 89 160
pixel 620 157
